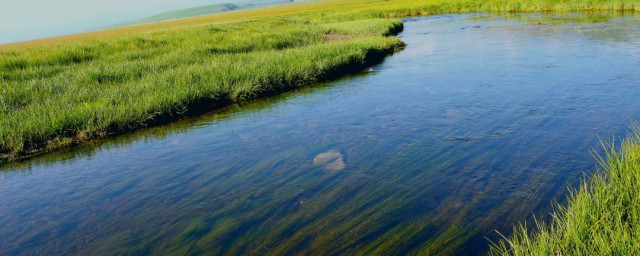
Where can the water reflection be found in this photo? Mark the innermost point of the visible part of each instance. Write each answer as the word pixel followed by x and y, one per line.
pixel 478 124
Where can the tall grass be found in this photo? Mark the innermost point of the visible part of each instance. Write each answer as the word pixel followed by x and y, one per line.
pixel 65 90
pixel 602 218
pixel 58 95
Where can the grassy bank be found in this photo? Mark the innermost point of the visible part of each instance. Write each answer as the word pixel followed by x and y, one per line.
pixel 603 218
pixel 60 95
pixel 62 91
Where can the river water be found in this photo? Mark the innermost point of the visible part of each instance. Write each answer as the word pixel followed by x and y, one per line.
pixel 480 123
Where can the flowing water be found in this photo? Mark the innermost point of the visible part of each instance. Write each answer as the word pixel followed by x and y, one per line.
pixel 480 123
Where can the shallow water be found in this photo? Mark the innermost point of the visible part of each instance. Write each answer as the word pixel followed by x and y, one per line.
pixel 480 123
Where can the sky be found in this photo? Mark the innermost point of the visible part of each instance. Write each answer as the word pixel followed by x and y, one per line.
pixel 22 20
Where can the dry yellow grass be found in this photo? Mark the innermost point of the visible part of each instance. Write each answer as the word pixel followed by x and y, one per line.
pixel 220 18
pixel 342 10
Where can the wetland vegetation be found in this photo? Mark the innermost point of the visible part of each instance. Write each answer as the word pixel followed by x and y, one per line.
pixel 602 218
pixel 54 96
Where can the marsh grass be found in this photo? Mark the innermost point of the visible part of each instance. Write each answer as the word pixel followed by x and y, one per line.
pixel 62 91
pixel 602 218
pixel 59 95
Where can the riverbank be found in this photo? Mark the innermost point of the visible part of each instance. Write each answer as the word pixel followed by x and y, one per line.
pixel 602 218
pixel 64 91
pixel 65 95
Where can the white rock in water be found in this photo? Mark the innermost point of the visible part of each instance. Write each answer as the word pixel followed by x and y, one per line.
pixel 331 161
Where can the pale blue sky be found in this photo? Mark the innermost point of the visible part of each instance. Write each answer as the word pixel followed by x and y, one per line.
pixel 22 20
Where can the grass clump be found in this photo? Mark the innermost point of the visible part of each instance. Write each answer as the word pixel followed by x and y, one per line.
pixel 602 218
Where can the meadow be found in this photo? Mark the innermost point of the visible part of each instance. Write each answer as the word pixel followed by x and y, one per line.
pixel 55 96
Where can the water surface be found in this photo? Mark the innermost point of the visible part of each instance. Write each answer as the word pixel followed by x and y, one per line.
pixel 480 123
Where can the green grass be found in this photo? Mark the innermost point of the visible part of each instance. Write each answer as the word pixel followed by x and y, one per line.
pixel 57 95
pixel 602 218
pixel 63 91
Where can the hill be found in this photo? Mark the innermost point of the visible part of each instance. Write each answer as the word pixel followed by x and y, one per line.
pixel 208 10
pixel 189 12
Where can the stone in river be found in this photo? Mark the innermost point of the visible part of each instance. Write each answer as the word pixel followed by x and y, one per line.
pixel 331 161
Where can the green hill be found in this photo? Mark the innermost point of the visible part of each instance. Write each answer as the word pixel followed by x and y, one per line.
pixel 205 10
pixel 189 12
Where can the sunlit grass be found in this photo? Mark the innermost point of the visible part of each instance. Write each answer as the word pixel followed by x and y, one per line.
pixel 342 10
pixel 602 218
pixel 53 96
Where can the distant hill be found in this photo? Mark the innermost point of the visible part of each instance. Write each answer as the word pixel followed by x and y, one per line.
pixel 208 9
pixel 190 12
